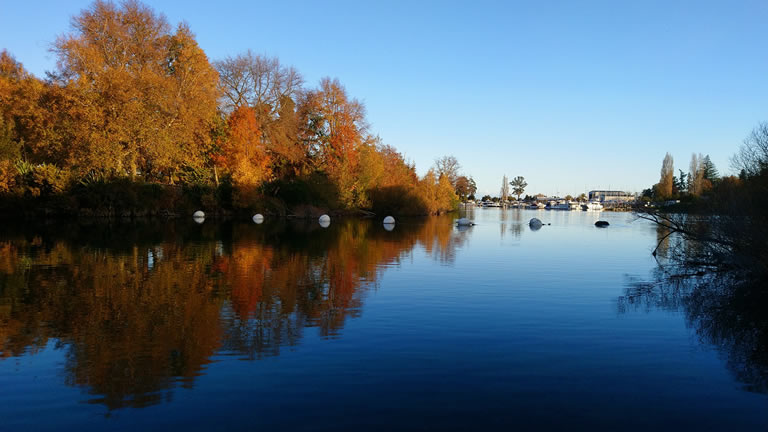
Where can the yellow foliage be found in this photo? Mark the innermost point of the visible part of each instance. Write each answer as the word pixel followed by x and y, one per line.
pixel 8 176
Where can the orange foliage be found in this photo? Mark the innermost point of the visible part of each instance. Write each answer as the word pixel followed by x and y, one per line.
pixel 136 321
pixel 245 154
pixel 133 96
pixel 148 93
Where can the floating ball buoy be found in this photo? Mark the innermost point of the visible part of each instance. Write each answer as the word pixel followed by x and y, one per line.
pixel 325 221
pixel 389 220
pixel 464 222
pixel 535 224
pixel 258 218
pixel 198 216
pixel 601 224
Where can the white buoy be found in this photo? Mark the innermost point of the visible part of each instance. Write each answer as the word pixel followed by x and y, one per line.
pixel 325 221
pixel 464 222
pixel 389 220
pixel 198 216
pixel 258 218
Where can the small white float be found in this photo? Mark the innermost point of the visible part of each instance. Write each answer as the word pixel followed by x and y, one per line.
pixel 389 220
pixel 198 216
pixel 325 221
pixel 258 218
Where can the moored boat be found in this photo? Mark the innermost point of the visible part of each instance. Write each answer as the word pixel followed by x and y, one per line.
pixel 592 206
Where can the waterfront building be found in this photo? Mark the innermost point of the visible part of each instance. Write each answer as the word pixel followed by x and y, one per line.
pixel 611 196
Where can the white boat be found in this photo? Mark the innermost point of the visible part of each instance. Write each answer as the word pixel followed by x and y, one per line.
pixel 564 205
pixel 592 206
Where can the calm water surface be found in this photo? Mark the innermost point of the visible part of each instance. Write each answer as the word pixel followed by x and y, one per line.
pixel 288 326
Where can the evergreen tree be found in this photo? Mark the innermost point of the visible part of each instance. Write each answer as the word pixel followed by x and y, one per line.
pixel 681 182
pixel 710 172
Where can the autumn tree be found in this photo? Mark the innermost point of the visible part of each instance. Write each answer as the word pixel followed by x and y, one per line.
pixel 21 117
pixel 428 191
pixel 288 153
pixel 272 89
pixel 11 75
pixel 246 155
pixel 518 186
pixel 334 128
pixel 446 195
pixel 504 192
pixel 25 133
pixel 252 80
pixel 449 167
pixel 462 187
pixel 147 92
pixel 472 188
pixel 134 97
pixel 664 188
pixel 696 181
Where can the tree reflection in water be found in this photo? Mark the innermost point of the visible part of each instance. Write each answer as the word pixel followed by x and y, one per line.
pixel 142 309
pixel 726 310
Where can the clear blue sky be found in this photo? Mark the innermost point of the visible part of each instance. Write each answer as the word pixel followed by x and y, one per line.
pixel 572 95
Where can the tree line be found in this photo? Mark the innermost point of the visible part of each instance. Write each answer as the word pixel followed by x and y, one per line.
pixel 724 218
pixel 135 102
pixel 702 179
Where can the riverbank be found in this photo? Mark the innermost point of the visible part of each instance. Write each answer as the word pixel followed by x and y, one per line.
pixel 125 199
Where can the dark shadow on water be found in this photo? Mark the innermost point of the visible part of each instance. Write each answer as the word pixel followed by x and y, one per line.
pixel 725 310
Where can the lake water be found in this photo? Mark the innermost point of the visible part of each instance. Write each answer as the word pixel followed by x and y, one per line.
pixel 289 326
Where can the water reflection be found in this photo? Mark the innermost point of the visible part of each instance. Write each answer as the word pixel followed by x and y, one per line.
pixel 725 309
pixel 141 310
pixel 516 227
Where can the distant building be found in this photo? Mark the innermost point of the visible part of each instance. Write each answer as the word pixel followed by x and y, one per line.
pixel 611 196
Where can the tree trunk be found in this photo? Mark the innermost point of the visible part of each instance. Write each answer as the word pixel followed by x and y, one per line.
pixel 133 168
